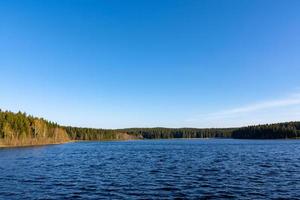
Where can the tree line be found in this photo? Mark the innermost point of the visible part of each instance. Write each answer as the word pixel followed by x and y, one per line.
pixel 17 129
pixel 78 133
pixel 268 131
pixel 169 133
pixel 22 129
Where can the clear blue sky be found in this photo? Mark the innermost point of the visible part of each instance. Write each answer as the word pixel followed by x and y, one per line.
pixel 114 64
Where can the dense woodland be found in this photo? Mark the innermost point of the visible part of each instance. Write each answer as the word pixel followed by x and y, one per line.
pixel 269 131
pixel 168 133
pixel 18 129
pixel 76 133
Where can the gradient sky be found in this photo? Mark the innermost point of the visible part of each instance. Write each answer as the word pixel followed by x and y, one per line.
pixel 114 64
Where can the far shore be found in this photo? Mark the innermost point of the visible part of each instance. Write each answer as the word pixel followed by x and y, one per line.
pixel 57 143
pixel 119 140
pixel 34 145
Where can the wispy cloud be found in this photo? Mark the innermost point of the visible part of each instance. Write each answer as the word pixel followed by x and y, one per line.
pixel 290 100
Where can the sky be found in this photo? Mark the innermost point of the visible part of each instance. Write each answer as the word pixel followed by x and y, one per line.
pixel 170 63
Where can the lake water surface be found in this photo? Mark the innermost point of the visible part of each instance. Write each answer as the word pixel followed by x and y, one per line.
pixel 153 169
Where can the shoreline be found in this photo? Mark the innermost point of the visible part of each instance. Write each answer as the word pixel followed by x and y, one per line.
pixel 2 146
pixel 34 145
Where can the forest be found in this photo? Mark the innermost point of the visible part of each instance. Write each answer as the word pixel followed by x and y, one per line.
pixel 20 129
pixel 169 133
pixel 268 131
pixel 77 133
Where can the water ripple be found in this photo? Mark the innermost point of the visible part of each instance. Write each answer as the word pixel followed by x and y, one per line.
pixel 153 169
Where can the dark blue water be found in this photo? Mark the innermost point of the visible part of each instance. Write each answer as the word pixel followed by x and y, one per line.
pixel 153 169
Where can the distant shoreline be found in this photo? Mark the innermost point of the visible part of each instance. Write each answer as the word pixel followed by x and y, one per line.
pixel 121 140
pixel 22 130
pixel 33 145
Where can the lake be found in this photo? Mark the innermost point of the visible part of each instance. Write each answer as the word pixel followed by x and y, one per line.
pixel 153 169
